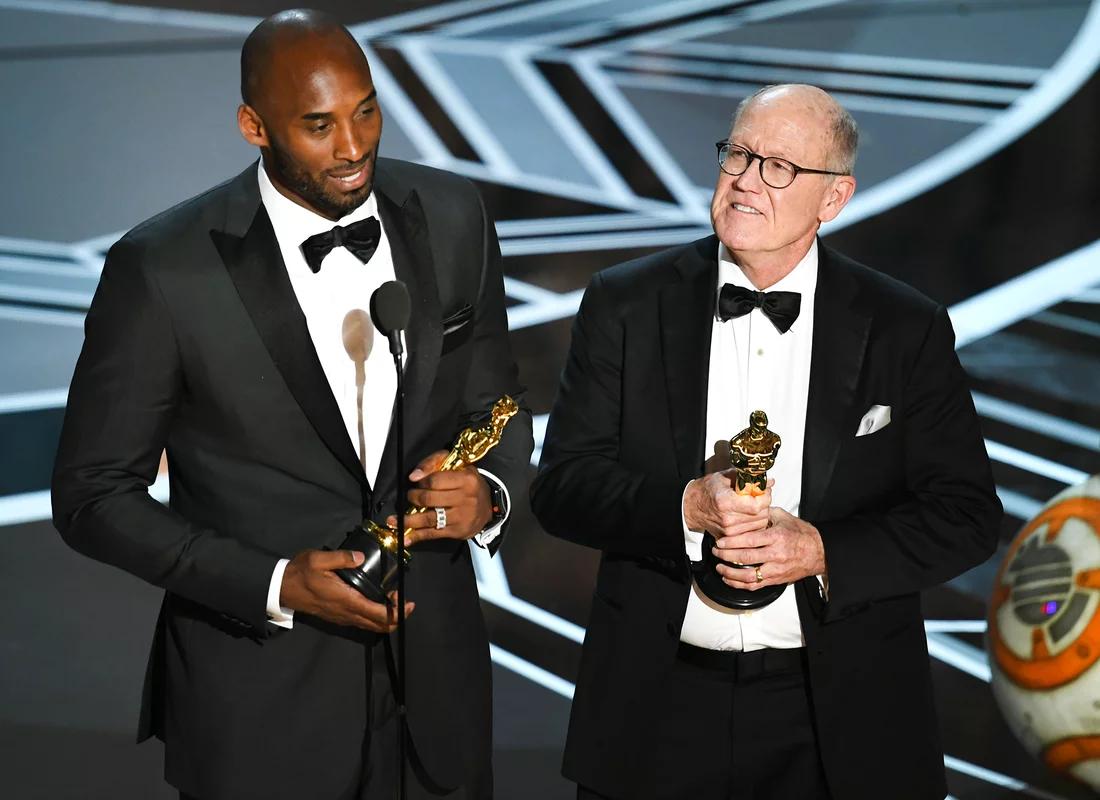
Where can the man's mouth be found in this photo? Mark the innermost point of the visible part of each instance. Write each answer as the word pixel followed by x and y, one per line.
pixel 745 209
pixel 350 178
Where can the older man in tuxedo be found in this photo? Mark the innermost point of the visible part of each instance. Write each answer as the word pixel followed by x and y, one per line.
pixel 232 333
pixel 881 488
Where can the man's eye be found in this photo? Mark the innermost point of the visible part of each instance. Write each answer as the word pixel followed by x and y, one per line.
pixel 320 127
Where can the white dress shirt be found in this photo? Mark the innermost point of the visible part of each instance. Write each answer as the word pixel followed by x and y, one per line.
pixel 333 301
pixel 753 366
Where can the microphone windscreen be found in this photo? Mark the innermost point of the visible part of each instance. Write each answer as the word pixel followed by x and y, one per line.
pixel 390 307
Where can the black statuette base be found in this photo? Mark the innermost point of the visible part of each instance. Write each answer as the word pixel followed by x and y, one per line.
pixel 711 584
pixel 376 577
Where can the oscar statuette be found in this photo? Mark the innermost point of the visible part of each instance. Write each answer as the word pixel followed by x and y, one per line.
pixel 752 454
pixel 376 577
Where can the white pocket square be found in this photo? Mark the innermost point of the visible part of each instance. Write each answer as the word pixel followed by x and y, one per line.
pixel 876 418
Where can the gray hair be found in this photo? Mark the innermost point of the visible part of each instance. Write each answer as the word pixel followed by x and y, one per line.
pixel 842 128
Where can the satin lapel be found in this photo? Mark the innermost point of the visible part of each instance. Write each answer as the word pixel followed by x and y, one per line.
pixel 686 316
pixel 841 331
pixel 407 232
pixel 256 267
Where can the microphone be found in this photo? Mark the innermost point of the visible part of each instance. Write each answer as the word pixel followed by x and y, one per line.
pixel 390 307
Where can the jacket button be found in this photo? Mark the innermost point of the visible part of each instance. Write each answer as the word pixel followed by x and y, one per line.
pixel 379 506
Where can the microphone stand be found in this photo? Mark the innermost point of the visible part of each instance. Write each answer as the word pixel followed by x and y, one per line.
pixel 402 489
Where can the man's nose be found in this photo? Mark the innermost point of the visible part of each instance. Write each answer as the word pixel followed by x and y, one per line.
pixel 349 145
pixel 750 180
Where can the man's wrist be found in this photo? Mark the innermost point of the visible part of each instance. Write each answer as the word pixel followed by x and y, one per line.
pixel 501 508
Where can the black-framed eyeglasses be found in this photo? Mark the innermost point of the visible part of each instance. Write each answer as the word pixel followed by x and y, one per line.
pixel 778 173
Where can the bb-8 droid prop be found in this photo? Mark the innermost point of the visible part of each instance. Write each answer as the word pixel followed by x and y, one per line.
pixel 1043 635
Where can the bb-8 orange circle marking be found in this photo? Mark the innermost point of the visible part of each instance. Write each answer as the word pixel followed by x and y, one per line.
pixel 1064 754
pixel 1043 670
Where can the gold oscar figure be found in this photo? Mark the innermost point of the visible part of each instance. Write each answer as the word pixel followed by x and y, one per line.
pixel 752 454
pixel 376 576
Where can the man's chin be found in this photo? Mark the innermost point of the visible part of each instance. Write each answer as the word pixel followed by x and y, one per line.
pixel 346 202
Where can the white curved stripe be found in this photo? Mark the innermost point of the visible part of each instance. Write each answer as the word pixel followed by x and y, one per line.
pixel 489 572
pixel 1038 421
pixel 903 85
pixel 955 625
pixel 921 109
pixel 894 65
pixel 989 776
pixel 33 401
pixel 1069 73
pixel 17 509
pixel 1018 505
pixel 42 316
pixel 1026 295
pixel 422 16
pixel 1034 464
pixel 138 14
pixel 960 655
pixel 33 294
pixel 583 243
pixel 533 673
pixel 532 613
pixel 1067 322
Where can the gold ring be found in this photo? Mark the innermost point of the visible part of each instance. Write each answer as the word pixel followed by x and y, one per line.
pixel 759 577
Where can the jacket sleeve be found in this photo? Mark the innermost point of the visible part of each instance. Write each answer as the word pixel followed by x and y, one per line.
pixel 493 373
pixel 583 492
pixel 126 387
pixel 948 518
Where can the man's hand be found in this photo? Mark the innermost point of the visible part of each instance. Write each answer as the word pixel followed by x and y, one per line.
pixel 712 505
pixel 787 550
pixel 310 586
pixel 463 494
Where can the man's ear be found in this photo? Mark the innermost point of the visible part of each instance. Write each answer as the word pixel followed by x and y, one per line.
pixel 836 197
pixel 251 126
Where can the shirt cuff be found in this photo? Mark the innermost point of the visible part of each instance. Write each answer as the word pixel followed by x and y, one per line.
pixel 823 585
pixel 482 539
pixel 276 614
pixel 693 540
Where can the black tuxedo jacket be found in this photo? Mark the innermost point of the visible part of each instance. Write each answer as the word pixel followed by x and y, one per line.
pixel 195 344
pixel 899 510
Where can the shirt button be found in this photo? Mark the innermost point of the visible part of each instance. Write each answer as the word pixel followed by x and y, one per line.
pixel 760 351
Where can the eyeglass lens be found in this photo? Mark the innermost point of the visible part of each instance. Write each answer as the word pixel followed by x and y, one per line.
pixel 776 172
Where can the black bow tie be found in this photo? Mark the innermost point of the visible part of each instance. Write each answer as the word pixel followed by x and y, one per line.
pixel 361 238
pixel 780 307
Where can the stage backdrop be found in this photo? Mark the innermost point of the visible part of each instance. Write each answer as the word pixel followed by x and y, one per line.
pixel 588 126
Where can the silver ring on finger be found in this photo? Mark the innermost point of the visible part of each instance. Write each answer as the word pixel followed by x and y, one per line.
pixel 440 518
pixel 759 577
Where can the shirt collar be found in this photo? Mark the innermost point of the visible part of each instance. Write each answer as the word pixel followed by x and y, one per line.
pixel 297 223
pixel 801 279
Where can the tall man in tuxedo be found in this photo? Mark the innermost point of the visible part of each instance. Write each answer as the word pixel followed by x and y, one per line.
pixel 231 332
pixel 881 488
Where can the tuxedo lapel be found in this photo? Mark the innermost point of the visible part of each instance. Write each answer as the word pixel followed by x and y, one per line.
pixel 407 232
pixel 255 265
pixel 686 319
pixel 841 331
